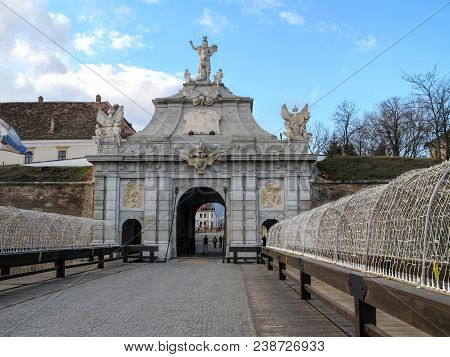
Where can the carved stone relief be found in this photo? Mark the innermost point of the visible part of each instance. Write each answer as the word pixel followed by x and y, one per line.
pixel 132 195
pixel 271 195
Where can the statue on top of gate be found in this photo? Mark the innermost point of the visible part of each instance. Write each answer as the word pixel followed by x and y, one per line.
pixel 204 65
pixel 295 122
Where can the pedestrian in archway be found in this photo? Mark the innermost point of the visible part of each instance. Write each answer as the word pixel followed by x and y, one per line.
pixel 205 245
pixel 220 241
pixel 264 240
pixel 215 241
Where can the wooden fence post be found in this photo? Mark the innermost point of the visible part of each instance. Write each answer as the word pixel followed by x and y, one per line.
pixel 125 254
pixel 5 271
pixel 60 268
pixel 364 313
pixel 281 267
pixel 305 279
pixel 101 261
pixel 269 262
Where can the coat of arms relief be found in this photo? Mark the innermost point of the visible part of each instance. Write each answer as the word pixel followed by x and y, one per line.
pixel 271 195
pixel 199 158
pixel 132 195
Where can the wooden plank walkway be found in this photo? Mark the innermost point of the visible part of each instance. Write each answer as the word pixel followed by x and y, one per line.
pixel 277 310
pixel 388 323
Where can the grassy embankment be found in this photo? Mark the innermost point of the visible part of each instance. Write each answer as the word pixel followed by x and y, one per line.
pixel 356 168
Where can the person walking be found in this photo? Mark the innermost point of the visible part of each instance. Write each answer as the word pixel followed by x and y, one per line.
pixel 205 245
pixel 215 242
pixel 220 241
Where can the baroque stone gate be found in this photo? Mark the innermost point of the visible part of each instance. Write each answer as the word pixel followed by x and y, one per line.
pixel 202 145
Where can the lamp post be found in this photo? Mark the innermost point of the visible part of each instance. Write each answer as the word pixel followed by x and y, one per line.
pixel 224 246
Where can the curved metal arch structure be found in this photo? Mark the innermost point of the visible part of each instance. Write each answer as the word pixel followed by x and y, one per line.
pixel 25 230
pixel 400 230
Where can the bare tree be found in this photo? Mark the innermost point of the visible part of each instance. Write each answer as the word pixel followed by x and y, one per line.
pixel 417 130
pixel 320 139
pixel 363 140
pixel 392 124
pixel 433 94
pixel 397 125
pixel 346 123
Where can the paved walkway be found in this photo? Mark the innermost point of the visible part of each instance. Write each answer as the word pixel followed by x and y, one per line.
pixel 185 297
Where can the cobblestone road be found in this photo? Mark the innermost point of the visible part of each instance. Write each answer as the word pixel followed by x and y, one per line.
pixel 185 297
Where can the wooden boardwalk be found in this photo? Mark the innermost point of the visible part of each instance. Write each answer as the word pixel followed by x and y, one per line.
pixel 277 309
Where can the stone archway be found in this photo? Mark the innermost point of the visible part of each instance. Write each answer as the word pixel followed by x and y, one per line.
pixel 265 229
pixel 131 232
pixel 188 205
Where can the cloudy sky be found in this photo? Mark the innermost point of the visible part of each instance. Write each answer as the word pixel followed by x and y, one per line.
pixel 276 51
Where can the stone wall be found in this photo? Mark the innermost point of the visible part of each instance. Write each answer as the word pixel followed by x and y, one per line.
pixel 326 191
pixel 75 199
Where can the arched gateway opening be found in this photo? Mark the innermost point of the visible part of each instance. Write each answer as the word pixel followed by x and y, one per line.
pixel 131 232
pixel 265 229
pixel 188 205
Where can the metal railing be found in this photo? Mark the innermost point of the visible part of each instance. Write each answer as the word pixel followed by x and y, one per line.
pixel 25 230
pixel 400 230
pixel 424 309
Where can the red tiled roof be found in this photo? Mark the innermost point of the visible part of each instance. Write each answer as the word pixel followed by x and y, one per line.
pixel 72 120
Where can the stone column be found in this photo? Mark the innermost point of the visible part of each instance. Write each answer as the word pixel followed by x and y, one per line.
pixel 150 208
pixel 100 231
pixel 111 193
pixel 250 224
pixel 290 196
pixel 235 226
pixel 164 215
pixel 304 202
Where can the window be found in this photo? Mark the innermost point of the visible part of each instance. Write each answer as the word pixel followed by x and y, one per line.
pixel 29 157
pixel 62 154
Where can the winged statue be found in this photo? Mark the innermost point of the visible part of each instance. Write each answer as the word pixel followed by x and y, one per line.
pixel 199 159
pixel 108 124
pixel 295 122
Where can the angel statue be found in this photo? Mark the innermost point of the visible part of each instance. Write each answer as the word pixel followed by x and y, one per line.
pixel 204 52
pixel 218 77
pixel 187 76
pixel 199 159
pixel 108 125
pixel 295 122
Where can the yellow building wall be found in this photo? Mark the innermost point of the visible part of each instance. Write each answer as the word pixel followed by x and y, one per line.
pixel 48 151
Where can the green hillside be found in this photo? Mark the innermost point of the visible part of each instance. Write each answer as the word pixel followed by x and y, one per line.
pixel 357 168
pixel 18 173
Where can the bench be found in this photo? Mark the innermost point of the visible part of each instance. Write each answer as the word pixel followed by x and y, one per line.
pixel 235 250
pixel 129 250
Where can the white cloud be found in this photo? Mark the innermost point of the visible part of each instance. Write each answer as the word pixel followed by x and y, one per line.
pixel 212 22
pixel 292 18
pixel 84 17
pixel 124 41
pixel 366 44
pixel 324 27
pixel 84 42
pixel 257 6
pixel 140 84
pixel 59 18
pixel 32 66
pixel 151 1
